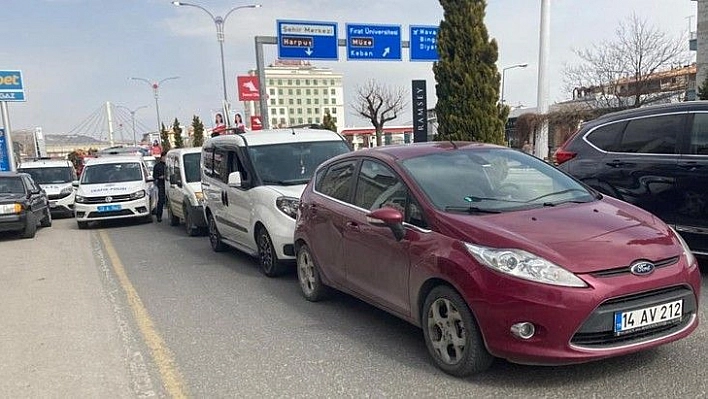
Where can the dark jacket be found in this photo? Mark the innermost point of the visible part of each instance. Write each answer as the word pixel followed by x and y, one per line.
pixel 158 173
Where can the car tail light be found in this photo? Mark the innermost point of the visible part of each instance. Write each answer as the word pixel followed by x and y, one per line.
pixel 563 155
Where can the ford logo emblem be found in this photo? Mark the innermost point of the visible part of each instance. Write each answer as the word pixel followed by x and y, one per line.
pixel 109 199
pixel 642 268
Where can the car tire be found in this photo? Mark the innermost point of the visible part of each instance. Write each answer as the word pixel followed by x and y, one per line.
pixel 30 227
pixel 82 225
pixel 452 335
pixel 174 220
pixel 47 219
pixel 214 237
pixel 188 225
pixel 308 274
pixel 267 258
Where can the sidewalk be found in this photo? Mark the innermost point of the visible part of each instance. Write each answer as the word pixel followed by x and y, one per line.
pixel 59 335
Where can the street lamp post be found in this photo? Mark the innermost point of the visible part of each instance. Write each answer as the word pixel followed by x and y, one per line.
pixel 219 22
pixel 524 65
pixel 132 118
pixel 156 91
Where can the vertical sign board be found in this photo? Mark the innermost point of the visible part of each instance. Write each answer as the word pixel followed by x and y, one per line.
pixel 4 158
pixel 11 86
pixel 373 42
pixel 307 40
pixel 248 88
pixel 420 111
pixel 423 43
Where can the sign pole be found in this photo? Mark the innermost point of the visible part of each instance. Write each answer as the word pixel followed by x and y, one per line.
pixel 8 138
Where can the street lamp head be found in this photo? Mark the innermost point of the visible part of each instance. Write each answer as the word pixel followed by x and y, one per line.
pixel 524 65
pixel 177 3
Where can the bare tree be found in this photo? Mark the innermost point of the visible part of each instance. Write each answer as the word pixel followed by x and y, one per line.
pixel 379 104
pixel 618 72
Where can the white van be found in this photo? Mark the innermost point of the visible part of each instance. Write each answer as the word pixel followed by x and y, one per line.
pixel 114 187
pixel 54 176
pixel 252 184
pixel 185 201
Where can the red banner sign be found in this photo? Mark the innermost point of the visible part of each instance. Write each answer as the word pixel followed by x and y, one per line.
pixel 256 122
pixel 248 88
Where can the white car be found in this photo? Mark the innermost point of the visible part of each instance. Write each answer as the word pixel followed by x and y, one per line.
pixel 185 201
pixel 54 176
pixel 252 184
pixel 114 187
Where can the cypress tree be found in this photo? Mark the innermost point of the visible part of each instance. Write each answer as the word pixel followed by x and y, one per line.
pixel 198 127
pixel 328 122
pixel 177 134
pixel 165 138
pixel 467 77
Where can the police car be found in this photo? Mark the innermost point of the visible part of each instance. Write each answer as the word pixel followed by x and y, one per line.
pixel 54 176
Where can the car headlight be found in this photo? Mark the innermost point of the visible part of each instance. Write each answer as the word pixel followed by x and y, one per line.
pixel 137 195
pixel 8 209
pixel 200 197
pixel 690 257
pixel 80 199
pixel 288 205
pixel 525 265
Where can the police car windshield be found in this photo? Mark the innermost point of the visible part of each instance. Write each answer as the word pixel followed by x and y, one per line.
pixel 54 175
pixel 112 173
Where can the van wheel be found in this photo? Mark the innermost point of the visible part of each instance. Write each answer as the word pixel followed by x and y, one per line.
pixel 30 227
pixel 452 335
pixel 267 258
pixel 214 237
pixel 47 219
pixel 174 220
pixel 191 229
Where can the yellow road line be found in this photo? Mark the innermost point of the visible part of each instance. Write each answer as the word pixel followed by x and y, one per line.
pixel 171 377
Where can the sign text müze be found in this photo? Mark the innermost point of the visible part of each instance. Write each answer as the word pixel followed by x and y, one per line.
pixel 373 42
pixel 420 111
pixel 11 86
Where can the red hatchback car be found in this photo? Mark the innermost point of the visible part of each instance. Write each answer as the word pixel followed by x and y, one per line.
pixel 494 253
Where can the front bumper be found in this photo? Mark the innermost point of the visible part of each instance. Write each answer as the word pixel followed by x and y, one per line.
pixel 13 222
pixel 126 209
pixel 575 325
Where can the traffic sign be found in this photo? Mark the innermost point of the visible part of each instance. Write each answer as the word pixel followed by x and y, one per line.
pixel 4 156
pixel 373 42
pixel 11 86
pixel 424 43
pixel 307 40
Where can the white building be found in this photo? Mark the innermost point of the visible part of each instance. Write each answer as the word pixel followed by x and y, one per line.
pixel 299 94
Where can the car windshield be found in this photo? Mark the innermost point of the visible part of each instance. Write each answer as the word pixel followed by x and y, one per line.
pixel 293 163
pixel 11 185
pixel 492 181
pixel 54 175
pixel 112 173
pixel 191 167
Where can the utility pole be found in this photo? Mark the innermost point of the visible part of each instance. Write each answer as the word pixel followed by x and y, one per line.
pixel 541 142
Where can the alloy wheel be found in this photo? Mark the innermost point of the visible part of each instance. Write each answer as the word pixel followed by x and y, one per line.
pixel 447 331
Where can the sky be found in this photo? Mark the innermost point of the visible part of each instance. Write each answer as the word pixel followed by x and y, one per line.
pixel 75 55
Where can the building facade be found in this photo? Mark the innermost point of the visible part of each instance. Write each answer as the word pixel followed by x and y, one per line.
pixel 299 93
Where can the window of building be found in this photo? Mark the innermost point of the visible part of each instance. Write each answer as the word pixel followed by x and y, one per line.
pixel 282 111
pixel 297 82
pixel 280 92
pixel 272 101
pixel 314 82
pixel 317 100
pixel 334 119
pixel 317 111
pixel 308 101
pixel 317 120
pixel 309 120
pixel 281 101
pixel 299 101
pixel 334 110
pixel 291 101
pixel 298 92
pixel 273 111
pixel 299 120
pixel 272 92
pixel 290 92
pixel 270 82
pixel 291 111
pixel 326 101
pixel 307 82
pixel 274 121
pixel 292 121
pixel 331 82
pixel 308 92
pixel 309 110
pixel 299 111
pixel 280 82
pixel 334 101
pixel 316 91
pixel 332 91
pixel 290 82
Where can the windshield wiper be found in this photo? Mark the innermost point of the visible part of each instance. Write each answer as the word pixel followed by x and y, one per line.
pixel 570 190
pixel 470 209
pixel 472 198
pixel 291 182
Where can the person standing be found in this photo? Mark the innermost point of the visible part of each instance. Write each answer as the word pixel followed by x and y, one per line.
pixel 159 172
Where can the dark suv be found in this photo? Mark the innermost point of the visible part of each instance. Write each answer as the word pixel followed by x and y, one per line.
pixel 654 157
pixel 23 204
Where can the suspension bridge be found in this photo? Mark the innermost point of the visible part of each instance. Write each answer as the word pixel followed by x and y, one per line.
pixel 113 123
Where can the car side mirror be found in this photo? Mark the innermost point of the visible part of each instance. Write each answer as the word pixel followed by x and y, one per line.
pixel 75 183
pixel 234 179
pixel 390 217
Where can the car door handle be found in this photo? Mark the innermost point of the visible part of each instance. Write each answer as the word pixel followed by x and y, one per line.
pixel 690 165
pixel 352 225
pixel 616 163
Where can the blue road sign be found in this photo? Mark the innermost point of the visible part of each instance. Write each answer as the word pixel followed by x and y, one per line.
pixel 307 40
pixel 4 156
pixel 11 86
pixel 373 42
pixel 424 43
